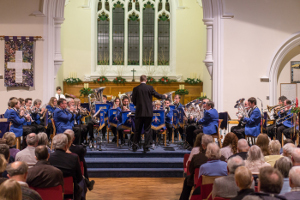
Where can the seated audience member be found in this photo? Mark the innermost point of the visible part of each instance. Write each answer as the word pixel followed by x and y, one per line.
pixel 27 155
pixel 18 172
pixel 10 190
pixel 43 140
pixel 197 147
pixel 274 147
pixel 42 174
pixel 4 150
pixel 255 160
pixel 214 166
pixel 225 186
pixel 296 157
pixel 294 175
pixel 196 162
pixel 288 149
pixel 3 164
pixel 284 165
pixel 10 141
pixel 243 179
pixel 80 151
pixel 229 145
pixel 263 143
pixel 66 162
pixel 242 149
pixel 269 185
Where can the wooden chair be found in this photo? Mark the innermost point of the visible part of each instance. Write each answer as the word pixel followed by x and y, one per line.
pixel 217 135
pixel 50 193
pixel 53 134
pixel 206 185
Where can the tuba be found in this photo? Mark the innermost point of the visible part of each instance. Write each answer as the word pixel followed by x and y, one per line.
pixel 95 98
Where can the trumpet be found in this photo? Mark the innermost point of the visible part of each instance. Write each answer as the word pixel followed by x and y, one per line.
pixel 270 108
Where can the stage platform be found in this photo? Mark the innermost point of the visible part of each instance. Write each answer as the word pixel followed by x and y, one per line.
pixel 115 161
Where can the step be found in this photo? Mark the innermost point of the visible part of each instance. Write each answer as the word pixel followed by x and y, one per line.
pixel 134 162
pixel 138 154
pixel 135 172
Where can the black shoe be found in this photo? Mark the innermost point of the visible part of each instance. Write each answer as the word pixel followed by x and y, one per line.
pixel 91 185
pixel 134 147
pixel 114 140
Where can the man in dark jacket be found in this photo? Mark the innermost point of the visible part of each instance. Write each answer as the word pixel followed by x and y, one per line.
pixel 142 99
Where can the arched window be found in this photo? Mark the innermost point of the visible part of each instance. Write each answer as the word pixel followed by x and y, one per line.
pixel 133 32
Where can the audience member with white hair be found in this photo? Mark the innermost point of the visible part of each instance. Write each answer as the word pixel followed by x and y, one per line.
pixel 66 162
pixel 214 166
pixel 296 156
pixel 274 147
pixel 242 149
pixel 294 175
pixel 255 160
pixel 225 187
pixel 284 165
pixel 10 139
pixel 27 155
pixel 288 149
pixel 43 140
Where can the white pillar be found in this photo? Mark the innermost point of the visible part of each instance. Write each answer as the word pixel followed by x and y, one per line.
pixel 209 46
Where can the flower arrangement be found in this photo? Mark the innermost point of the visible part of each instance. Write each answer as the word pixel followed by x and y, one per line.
pixel 101 79
pixel 192 81
pixel 71 81
pixel 150 80
pixel 85 91
pixel 203 97
pixel 119 79
pixel 166 80
pixel 182 91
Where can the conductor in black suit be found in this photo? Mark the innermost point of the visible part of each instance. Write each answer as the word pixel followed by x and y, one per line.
pixel 142 99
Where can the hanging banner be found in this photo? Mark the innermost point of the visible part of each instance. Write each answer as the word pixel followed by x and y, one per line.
pixel 19 62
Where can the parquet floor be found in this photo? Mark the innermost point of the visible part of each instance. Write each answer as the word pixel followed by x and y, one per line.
pixel 136 189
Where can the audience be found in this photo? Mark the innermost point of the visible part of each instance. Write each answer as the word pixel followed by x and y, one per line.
pixel 4 150
pixel 288 149
pixel 225 186
pixel 18 172
pixel 255 160
pixel 197 147
pixel 269 184
pixel 294 175
pixel 10 138
pixel 66 162
pixel 10 190
pixel 274 148
pixel 229 145
pixel 263 143
pixel 214 166
pixel 284 165
pixel 43 140
pixel 3 164
pixel 242 149
pixel 28 154
pixel 43 175
pixel 80 151
pixel 244 180
pixel 296 157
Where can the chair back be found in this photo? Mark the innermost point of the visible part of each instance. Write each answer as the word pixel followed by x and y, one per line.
pixel 50 193
pixel 206 184
pixel 68 185
pixel 187 168
pixel 185 158
pixel 196 176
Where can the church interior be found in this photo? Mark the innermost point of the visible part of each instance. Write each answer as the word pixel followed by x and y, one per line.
pixel 225 51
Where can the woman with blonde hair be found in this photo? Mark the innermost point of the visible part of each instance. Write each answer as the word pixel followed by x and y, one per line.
pixel 10 190
pixel 263 143
pixel 229 145
pixel 10 138
pixel 255 160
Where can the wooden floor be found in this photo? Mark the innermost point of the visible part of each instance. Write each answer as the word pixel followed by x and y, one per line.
pixel 136 189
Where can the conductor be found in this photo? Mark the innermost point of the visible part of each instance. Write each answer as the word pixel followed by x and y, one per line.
pixel 142 99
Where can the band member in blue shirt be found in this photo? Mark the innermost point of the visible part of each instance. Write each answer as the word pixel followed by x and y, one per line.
pixel 62 117
pixel 210 121
pixel 169 119
pixel 252 126
pixel 177 104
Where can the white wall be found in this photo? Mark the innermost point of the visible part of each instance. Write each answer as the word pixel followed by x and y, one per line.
pixel 251 40
pixel 15 20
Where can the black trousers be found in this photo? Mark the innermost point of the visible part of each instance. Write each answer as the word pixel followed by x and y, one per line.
pixel 39 128
pixel 191 134
pixel 289 133
pixel 280 130
pixel 141 122
pixel 270 130
pixel 186 190
pixel 180 131
pixel 77 134
pixel 83 131
pixel 239 131
pixel 170 131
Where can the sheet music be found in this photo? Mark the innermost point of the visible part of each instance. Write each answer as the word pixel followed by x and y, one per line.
pixel 289 90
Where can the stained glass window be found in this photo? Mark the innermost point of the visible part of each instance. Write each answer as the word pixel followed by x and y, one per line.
pixel 133 39
pixel 118 34
pixel 163 55
pixel 148 34
pixel 103 39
